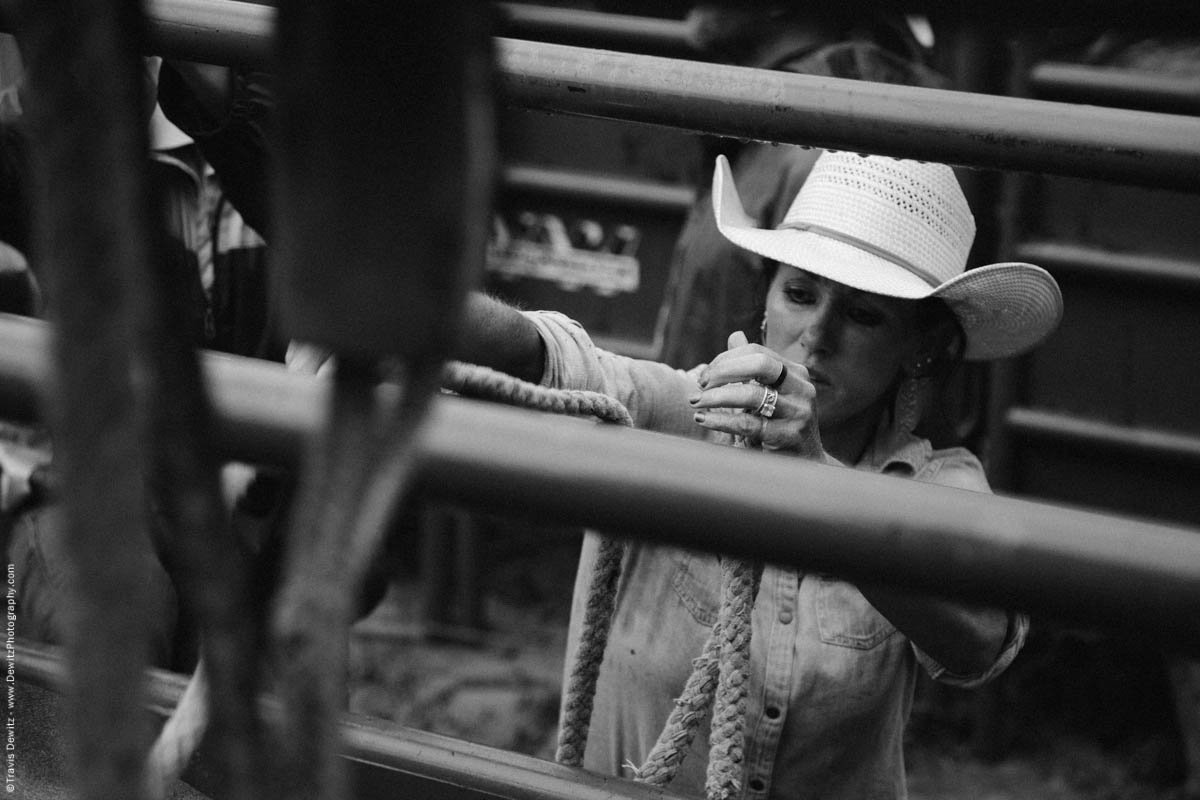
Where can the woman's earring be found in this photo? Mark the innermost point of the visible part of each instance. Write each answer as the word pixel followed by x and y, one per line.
pixel 762 330
pixel 907 412
pixel 908 405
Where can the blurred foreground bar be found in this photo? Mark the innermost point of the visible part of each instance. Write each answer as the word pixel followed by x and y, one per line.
pixel 1105 569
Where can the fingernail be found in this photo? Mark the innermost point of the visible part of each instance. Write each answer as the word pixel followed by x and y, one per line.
pixel 694 399
pixel 703 381
pixel 698 417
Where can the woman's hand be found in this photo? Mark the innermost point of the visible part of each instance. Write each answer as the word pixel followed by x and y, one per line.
pixel 734 396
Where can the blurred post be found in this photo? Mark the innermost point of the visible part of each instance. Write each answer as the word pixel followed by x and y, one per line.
pixel 85 108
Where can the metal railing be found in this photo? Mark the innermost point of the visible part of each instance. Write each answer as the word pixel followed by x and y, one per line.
pixel 384 760
pixel 1013 552
pixel 1093 262
pixel 584 28
pixel 1116 86
pixel 955 127
pixel 598 188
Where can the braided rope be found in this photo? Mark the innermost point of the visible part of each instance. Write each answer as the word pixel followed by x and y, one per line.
pixel 472 380
pixel 691 707
pixel 720 675
pixel 580 692
pixel 728 740
pixel 719 680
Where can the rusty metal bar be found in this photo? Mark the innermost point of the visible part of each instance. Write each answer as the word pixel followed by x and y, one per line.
pixel 580 27
pixel 1121 440
pixel 1092 262
pixel 972 130
pixel 1116 86
pixel 1127 573
pixel 598 188
pixel 384 759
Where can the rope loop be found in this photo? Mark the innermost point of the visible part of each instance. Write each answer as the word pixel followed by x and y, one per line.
pixel 473 380
pixel 720 676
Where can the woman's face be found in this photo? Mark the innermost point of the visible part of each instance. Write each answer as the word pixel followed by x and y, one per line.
pixel 853 343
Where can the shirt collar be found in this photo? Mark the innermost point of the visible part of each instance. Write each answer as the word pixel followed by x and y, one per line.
pixel 896 452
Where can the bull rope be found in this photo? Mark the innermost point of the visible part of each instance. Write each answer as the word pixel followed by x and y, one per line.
pixel 720 675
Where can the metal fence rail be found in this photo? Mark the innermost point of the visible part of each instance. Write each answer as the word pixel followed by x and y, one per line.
pixel 955 127
pixel 1116 86
pixel 384 760
pixel 1095 263
pixel 1120 440
pixel 1126 573
pixel 585 28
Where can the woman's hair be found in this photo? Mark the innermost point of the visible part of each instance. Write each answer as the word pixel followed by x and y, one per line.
pixel 934 320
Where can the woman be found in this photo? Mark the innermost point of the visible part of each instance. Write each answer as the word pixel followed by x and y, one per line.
pixel 867 301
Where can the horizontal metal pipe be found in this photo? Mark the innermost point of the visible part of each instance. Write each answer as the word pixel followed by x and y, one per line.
pixel 595 29
pixel 1116 86
pixel 957 127
pixel 1145 443
pixel 225 32
pixel 972 130
pixel 485 457
pixel 599 188
pixel 1093 262
pixel 394 761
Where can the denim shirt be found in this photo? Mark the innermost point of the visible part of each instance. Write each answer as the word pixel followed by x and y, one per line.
pixel 832 680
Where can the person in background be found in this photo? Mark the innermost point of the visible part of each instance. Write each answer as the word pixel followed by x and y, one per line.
pixel 219 256
pixel 219 264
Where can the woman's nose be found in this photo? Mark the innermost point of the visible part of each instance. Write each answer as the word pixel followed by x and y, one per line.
pixel 820 334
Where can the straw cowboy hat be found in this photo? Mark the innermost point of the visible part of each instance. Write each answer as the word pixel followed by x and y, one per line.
pixel 902 229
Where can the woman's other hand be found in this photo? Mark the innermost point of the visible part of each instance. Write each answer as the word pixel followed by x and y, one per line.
pixel 736 391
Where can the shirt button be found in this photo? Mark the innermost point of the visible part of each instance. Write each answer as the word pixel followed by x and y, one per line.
pixel 785 617
pixel 757 785
pixel 772 712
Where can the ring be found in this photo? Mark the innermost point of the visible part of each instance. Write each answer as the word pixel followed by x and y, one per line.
pixel 766 409
pixel 775 384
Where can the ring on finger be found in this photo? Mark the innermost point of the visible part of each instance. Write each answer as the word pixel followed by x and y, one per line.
pixel 775 384
pixel 766 408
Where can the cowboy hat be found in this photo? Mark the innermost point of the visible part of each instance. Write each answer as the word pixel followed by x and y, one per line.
pixel 902 229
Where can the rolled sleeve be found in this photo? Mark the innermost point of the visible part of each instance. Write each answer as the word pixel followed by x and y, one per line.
pixel 572 360
pixel 655 394
pixel 958 468
pixel 1014 640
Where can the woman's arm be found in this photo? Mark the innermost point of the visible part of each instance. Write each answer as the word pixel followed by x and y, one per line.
pixel 966 640
pixel 494 334
pixel 963 638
